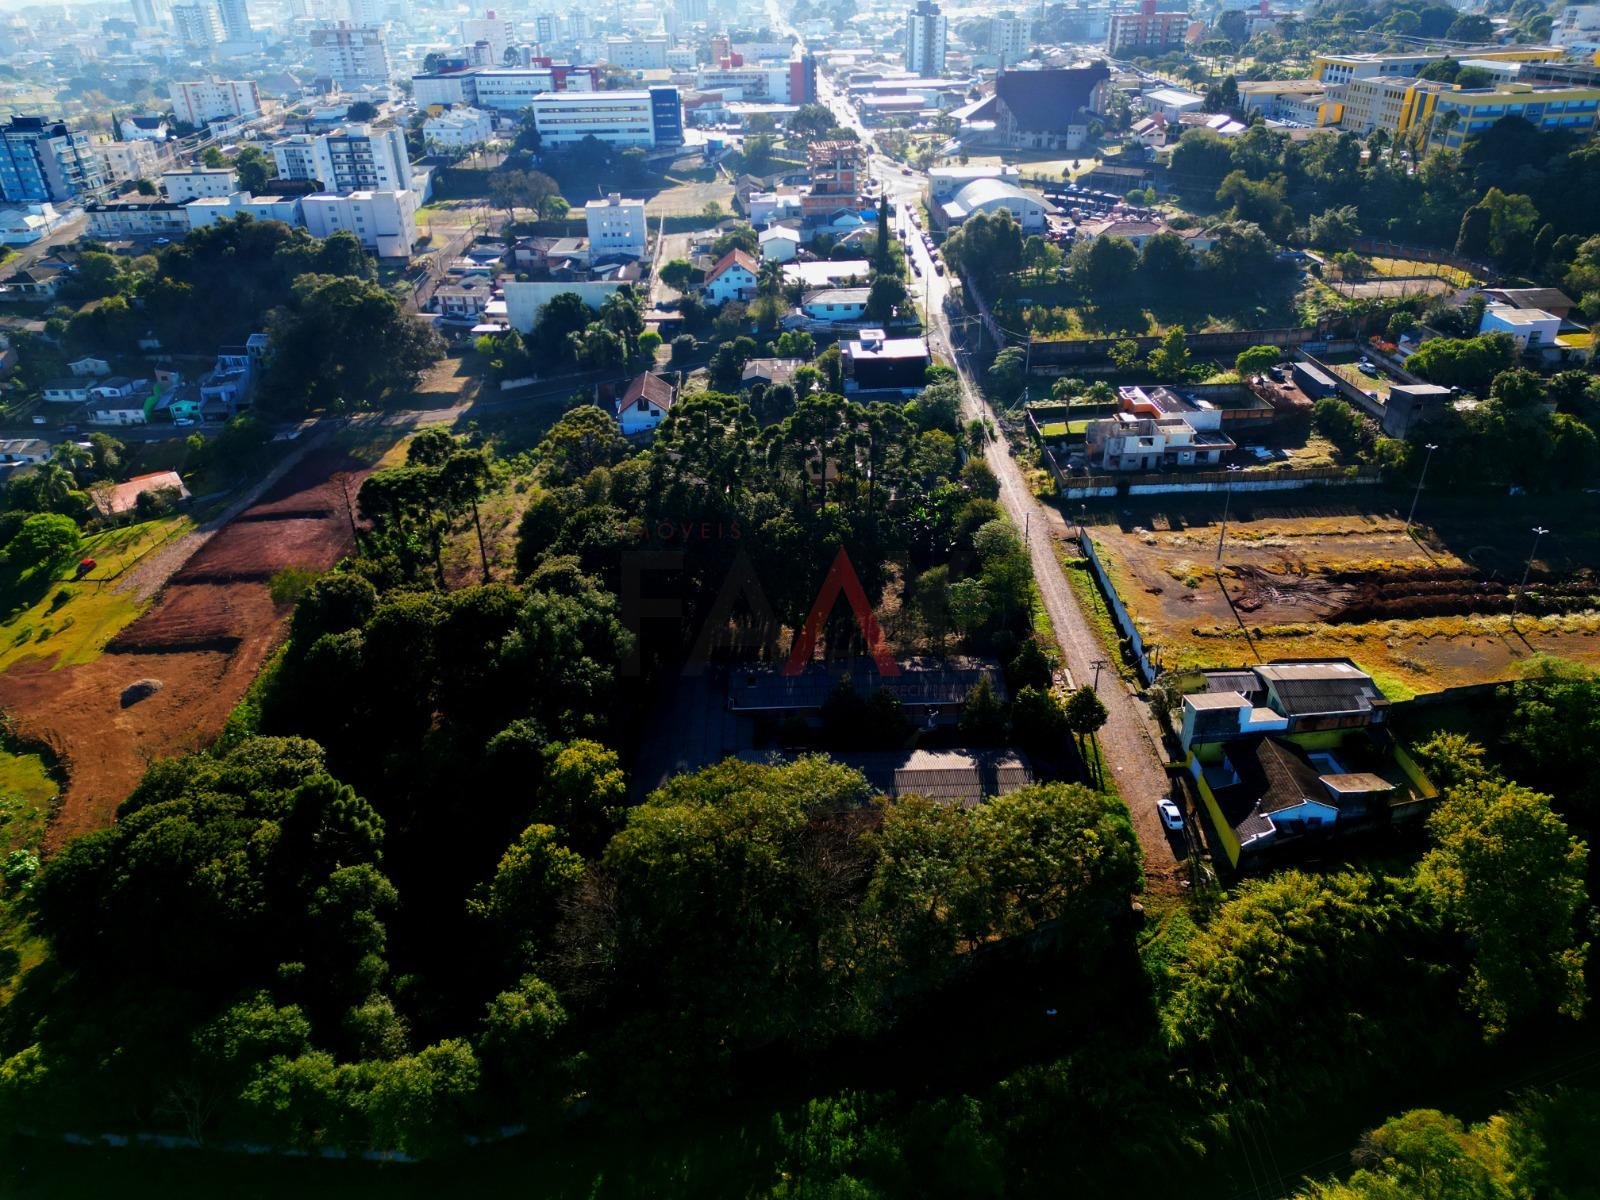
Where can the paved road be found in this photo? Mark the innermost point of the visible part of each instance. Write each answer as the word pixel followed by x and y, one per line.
pixel 1128 741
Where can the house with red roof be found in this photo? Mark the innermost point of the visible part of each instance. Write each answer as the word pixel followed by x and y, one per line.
pixel 645 403
pixel 733 278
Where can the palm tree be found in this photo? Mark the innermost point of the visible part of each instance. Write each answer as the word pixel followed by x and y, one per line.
pixel 1447 125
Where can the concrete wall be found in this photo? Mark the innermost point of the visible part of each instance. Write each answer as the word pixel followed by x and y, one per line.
pixel 524 300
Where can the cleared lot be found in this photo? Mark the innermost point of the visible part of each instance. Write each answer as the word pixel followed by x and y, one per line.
pixel 1336 573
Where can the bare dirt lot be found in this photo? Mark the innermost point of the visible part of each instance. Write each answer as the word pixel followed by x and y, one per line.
pixel 204 639
pixel 1336 573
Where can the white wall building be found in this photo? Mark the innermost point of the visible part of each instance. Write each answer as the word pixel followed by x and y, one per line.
pixel 927 37
pixel 208 210
pixel 384 221
pixel 207 100
pixel 130 160
pixel 1532 328
pixel 637 53
pixel 618 118
pixel 352 56
pixel 511 88
pixel 1577 27
pixel 525 300
pixel 182 186
pixel 353 159
pixel 616 226
pixel 497 31
pixel 199 26
pixel 1010 38
pixel 459 129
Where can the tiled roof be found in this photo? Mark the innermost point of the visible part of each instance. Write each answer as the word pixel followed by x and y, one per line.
pixel 733 258
pixel 650 387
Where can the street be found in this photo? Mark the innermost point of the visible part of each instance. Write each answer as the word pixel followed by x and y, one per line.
pixel 1128 742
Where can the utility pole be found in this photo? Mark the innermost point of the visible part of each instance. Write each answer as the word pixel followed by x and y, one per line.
pixel 1097 664
pixel 1226 504
pixel 1430 447
pixel 1538 532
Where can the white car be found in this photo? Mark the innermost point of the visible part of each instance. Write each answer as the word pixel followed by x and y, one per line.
pixel 1170 816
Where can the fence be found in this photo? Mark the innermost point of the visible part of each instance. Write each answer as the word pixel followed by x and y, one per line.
pixel 1374 248
pixel 1119 611
pixel 1095 487
pixel 1080 350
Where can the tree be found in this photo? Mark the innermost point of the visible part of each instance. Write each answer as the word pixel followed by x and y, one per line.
pixel 362 110
pixel 563 315
pixel 883 256
pixel 1335 228
pixel 983 717
pixel 1007 376
pixel 1166 258
pixel 1338 422
pixel 213 157
pixel 254 168
pixel 1255 360
pixel 1492 841
pixel 1038 720
pixel 1473 237
pixel 885 295
pixel 344 344
pixel 680 274
pixel 1085 714
pixel 584 438
pixel 45 540
pixel 1103 264
pixel 1170 360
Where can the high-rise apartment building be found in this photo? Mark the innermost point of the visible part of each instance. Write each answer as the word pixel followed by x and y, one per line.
pixel 199 25
pixel 1010 38
pixel 207 100
pixel 352 56
pixel 357 158
pixel 235 20
pixel 492 28
pixel 1147 31
pixel 42 159
pixel 927 37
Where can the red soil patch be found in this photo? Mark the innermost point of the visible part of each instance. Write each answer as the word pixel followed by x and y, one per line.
pixel 205 638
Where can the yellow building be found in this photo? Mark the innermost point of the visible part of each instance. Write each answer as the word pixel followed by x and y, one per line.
pixel 1341 68
pixel 1398 106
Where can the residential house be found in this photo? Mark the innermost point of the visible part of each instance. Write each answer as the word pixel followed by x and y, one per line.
pixel 146 129
pixel 763 208
pixel 1551 300
pixel 828 273
pixel 26 224
pixel 1532 328
pixel 733 278
pixel 770 371
pixel 779 243
pixel 644 404
pixel 1139 232
pixel 1292 752
pixel 1127 441
pixel 89 365
pixel 1411 404
pixel 119 400
pixel 227 385
pixel 836 306
pixel 875 362
pixel 122 499
pixel 23 451
pixel 466 297
pixel 42 281
pixel 72 390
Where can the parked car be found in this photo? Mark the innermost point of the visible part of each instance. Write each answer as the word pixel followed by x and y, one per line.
pixel 938 268
pixel 1171 817
pixel 1367 368
pixel 183 422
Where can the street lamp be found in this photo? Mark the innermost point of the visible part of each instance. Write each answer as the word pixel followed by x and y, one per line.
pixel 1223 532
pixel 1538 532
pixel 1430 447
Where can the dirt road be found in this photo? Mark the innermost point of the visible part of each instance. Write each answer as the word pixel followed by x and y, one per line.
pixel 1127 740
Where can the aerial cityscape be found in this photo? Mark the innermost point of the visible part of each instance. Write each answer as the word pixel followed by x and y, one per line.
pixel 828 600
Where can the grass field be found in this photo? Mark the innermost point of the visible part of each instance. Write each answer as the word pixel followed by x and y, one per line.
pixel 1336 574
pixel 46 613
pixel 27 790
pixel 1056 310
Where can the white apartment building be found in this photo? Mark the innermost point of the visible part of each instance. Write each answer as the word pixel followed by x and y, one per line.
pixel 637 53
pixel 353 159
pixel 207 100
pixel 385 222
pixel 927 38
pixel 616 226
pixel 618 118
pixel 129 160
pixel 235 16
pixel 352 56
pixel 1577 28
pixel 199 26
pixel 196 182
pixel 497 31
pixel 458 129
pixel 208 210
pixel 510 88
pixel 1010 38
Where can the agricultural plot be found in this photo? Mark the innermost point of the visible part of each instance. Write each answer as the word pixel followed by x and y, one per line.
pixel 1337 574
